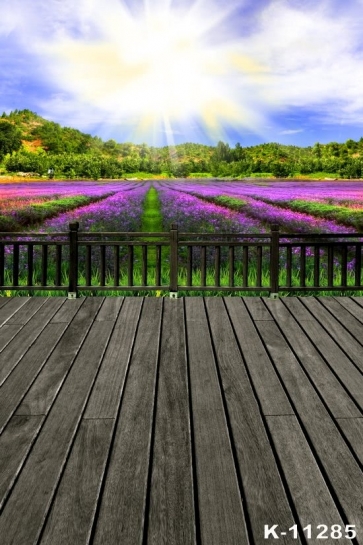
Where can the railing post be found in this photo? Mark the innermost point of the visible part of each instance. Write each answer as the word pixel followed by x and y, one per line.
pixel 274 261
pixel 73 260
pixel 174 261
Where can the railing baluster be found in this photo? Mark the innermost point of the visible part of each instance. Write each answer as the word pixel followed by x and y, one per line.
pixel 288 266
pixel 274 259
pixel 358 264
pixel 174 259
pixel 2 264
pixel 73 260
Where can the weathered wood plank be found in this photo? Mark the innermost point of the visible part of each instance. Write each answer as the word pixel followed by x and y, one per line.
pixel 25 511
pixel 342 366
pixel 171 514
pixel 43 391
pixel 18 347
pixel 297 309
pixel 336 397
pixel 221 513
pixel 352 307
pixel 352 428
pixel 28 310
pixel 271 395
pixel 313 501
pixel 107 391
pixel 68 310
pixel 122 512
pixel 256 308
pixel 12 306
pixel 3 300
pixel 110 309
pixel 344 474
pixel 7 333
pixel 15 443
pixel 17 384
pixel 265 495
pixel 73 510
pixel 341 336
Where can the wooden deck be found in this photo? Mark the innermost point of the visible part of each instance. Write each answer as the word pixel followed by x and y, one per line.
pixel 180 421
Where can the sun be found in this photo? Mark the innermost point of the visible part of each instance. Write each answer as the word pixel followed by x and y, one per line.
pixel 162 70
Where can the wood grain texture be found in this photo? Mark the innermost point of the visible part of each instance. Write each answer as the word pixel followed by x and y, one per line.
pixel 17 348
pixel 256 308
pixel 340 334
pixel 25 512
pixel 43 391
pixel 12 305
pixel 352 428
pixel 219 501
pixel 26 311
pixel 312 499
pixel 343 471
pixel 171 514
pixel 107 391
pixel 177 421
pixel 351 305
pixel 336 397
pixel 67 310
pixel 17 384
pixel 7 333
pixel 270 393
pixel 265 494
pixel 122 512
pixel 15 443
pixel 109 309
pixel 72 513
pixel 342 366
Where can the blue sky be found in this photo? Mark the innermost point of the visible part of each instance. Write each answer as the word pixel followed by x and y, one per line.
pixel 166 72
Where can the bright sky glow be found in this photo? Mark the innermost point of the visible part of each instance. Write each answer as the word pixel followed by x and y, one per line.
pixel 165 72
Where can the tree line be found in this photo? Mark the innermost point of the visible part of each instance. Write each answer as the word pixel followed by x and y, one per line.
pixel 29 143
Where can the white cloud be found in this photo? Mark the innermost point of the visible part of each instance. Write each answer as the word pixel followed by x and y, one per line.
pixel 291 131
pixel 309 57
pixel 315 58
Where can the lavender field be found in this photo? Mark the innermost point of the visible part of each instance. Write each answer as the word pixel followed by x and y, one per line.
pixel 205 206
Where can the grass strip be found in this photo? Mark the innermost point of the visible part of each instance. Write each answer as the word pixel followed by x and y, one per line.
pixel 39 212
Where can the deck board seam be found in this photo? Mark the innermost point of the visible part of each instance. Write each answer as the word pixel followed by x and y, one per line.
pixel 93 526
pixel 306 434
pixel 77 428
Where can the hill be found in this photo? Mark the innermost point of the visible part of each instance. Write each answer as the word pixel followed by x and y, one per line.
pixel 32 144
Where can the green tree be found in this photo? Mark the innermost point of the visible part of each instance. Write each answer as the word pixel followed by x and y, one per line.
pixel 10 138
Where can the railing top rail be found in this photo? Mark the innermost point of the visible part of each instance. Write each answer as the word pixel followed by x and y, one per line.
pixel 32 234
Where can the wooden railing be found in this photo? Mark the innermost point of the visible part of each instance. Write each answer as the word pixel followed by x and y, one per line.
pixel 264 251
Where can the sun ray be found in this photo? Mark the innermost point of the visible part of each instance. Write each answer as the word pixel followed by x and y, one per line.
pixel 162 68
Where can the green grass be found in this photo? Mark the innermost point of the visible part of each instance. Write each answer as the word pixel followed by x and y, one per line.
pixel 196 278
